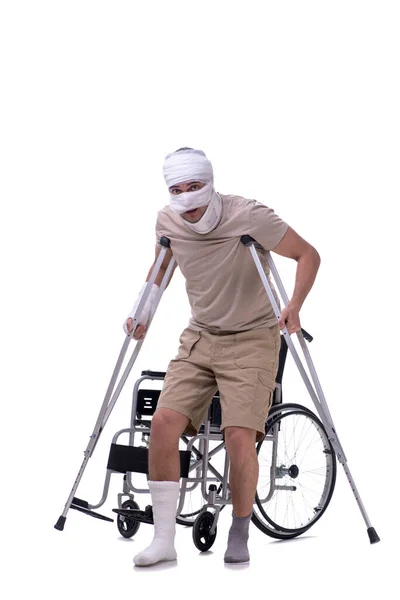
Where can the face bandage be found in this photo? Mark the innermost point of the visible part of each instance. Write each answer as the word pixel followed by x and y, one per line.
pixel 193 165
pixel 182 202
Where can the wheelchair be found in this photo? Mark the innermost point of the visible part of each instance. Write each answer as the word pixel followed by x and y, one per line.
pixel 297 468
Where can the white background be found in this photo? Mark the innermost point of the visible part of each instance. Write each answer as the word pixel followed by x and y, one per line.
pixel 296 105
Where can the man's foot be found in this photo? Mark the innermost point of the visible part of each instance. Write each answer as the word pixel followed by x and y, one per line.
pixel 158 551
pixel 164 495
pixel 237 551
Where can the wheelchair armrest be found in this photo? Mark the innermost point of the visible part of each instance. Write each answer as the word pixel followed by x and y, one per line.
pixel 154 373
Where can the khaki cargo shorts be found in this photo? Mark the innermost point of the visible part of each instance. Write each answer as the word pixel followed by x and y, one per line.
pixel 241 366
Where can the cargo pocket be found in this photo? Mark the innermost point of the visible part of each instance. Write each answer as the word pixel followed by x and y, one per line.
pixel 263 396
pixel 188 340
pixel 257 349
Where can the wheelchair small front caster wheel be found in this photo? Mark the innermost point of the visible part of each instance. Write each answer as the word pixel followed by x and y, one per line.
pixel 202 537
pixel 128 526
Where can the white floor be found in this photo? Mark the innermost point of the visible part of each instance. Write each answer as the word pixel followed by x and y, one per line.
pixel 89 559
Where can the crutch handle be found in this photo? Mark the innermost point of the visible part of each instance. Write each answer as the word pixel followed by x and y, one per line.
pixel 164 241
pixel 306 335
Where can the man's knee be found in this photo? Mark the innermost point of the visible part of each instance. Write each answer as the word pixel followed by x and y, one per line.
pixel 239 439
pixel 168 424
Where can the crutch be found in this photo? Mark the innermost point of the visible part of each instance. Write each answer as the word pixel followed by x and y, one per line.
pixel 316 393
pixel 113 390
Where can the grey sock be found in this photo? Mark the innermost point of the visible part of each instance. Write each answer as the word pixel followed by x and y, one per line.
pixel 237 551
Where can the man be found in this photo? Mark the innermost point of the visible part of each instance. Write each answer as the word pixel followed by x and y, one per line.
pixel 232 342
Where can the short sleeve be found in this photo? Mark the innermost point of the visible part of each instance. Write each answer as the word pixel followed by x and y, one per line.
pixel 159 233
pixel 265 226
pixel 160 229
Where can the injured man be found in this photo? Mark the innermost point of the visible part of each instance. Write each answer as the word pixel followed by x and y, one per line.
pixel 231 343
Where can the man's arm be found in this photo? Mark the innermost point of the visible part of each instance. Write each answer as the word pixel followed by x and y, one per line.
pixel 308 260
pixel 140 330
pixel 163 268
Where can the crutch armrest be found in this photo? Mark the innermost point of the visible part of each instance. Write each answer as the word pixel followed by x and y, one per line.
pixel 164 241
pixel 247 240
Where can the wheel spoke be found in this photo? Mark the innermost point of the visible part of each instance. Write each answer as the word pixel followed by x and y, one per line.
pixel 302 479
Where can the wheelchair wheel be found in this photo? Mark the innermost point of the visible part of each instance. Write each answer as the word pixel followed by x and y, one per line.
pixel 126 525
pixel 297 473
pixel 202 538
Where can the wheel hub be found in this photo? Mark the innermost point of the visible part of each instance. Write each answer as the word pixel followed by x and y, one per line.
pixel 282 471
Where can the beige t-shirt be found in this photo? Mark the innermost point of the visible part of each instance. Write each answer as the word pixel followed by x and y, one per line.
pixel 225 291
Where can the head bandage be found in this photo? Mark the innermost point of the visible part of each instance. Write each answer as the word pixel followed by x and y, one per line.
pixel 193 165
pixel 187 165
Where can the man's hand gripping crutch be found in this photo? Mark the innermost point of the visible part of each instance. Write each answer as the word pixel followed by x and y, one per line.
pixel 137 322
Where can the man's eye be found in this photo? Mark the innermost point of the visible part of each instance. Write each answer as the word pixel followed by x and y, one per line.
pixel 194 187
pixel 176 192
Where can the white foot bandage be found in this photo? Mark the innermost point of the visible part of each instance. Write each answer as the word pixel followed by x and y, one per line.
pixel 164 496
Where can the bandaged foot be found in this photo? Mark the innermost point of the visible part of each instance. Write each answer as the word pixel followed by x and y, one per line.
pixel 237 551
pixel 164 496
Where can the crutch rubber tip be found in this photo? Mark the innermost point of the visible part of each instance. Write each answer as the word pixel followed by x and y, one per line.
pixel 60 524
pixel 373 536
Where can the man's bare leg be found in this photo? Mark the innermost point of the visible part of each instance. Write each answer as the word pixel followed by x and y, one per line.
pixel 167 427
pixel 240 445
pixel 164 469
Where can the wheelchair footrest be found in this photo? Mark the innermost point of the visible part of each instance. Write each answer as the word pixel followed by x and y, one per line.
pixel 91 513
pixel 78 502
pixel 144 516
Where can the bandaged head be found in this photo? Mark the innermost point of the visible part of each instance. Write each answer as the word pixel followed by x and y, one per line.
pixel 187 165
